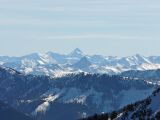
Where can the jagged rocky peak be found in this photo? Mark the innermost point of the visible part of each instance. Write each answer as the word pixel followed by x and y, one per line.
pixel 77 50
pixel 82 63
pixel 141 58
pixel 76 53
pixel 84 59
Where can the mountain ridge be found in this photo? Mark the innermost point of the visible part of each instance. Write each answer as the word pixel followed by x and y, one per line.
pixel 78 95
pixel 38 64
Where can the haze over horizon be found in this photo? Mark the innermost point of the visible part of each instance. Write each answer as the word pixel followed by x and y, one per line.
pixel 73 50
pixel 117 28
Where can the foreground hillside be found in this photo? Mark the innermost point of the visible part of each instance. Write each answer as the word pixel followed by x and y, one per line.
pixel 8 113
pixel 69 97
pixel 147 109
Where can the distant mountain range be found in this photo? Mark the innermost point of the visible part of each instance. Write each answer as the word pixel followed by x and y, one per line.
pixel 54 64
pixel 71 96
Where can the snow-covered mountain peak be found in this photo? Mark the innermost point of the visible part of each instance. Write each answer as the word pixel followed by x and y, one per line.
pixel 76 53
pixel 82 63
pixel 138 55
pixel 84 60
pixel 77 50
pixel 141 59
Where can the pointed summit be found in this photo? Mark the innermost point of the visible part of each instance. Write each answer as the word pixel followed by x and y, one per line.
pixel 140 59
pixel 82 63
pixel 138 56
pixel 76 53
pixel 77 50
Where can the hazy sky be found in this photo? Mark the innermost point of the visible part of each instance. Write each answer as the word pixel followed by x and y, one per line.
pixel 108 27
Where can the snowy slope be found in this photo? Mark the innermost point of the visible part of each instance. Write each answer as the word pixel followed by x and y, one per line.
pixel 147 109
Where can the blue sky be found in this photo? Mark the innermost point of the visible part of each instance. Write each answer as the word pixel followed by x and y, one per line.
pixel 108 27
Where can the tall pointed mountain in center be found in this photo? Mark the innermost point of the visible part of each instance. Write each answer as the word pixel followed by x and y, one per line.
pixel 76 53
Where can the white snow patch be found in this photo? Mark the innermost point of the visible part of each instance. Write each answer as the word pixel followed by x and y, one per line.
pixel 28 70
pixel 150 66
pixel 45 106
